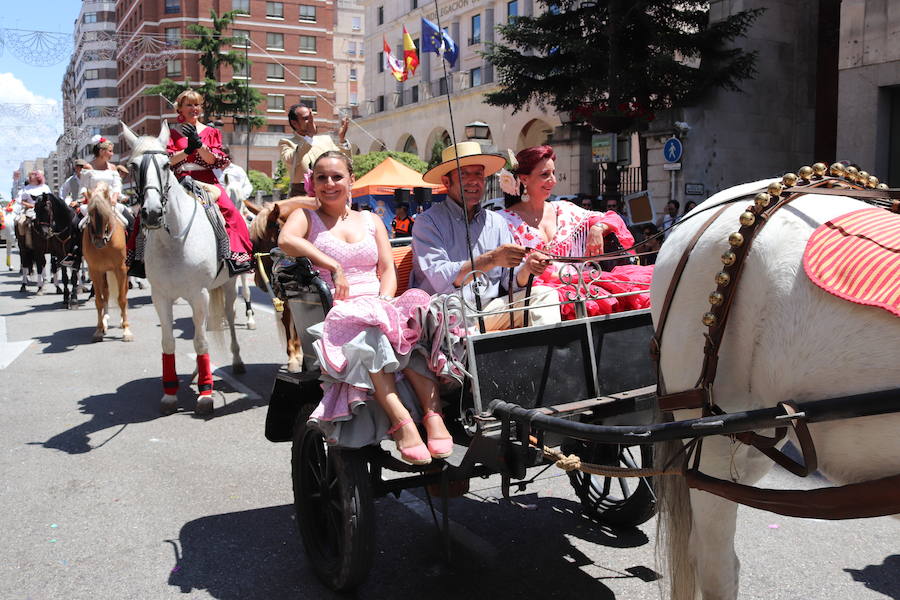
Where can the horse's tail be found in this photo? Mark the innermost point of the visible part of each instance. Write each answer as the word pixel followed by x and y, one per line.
pixel 673 529
pixel 216 318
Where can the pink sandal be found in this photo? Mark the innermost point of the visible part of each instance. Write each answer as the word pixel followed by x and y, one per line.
pixel 438 447
pixel 414 455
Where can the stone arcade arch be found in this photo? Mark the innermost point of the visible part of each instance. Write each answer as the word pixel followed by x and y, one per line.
pixel 534 133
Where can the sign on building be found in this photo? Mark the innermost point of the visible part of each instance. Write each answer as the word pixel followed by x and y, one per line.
pixel 603 148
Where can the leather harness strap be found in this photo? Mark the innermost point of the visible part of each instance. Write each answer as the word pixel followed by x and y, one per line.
pixel 656 341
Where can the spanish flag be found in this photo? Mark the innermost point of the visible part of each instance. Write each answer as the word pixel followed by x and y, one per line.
pixel 410 54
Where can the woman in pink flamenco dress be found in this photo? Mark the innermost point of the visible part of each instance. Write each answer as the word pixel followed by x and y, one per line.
pixel 564 229
pixel 195 149
pixel 368 337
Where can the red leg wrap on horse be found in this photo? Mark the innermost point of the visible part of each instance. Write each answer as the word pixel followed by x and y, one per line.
pixel 170 377
pixel 204 375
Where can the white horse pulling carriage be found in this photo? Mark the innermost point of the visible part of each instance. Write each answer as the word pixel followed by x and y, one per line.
pixel 793 358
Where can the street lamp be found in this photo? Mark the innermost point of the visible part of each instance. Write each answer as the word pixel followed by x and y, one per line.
pixel 477 130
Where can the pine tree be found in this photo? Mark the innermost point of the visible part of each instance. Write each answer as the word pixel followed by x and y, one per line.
pixel 615 63
pixel 232 98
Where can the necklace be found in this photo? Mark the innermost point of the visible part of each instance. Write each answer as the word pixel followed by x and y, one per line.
pixel 341 217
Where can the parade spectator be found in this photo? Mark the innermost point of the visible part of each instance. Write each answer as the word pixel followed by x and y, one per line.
pixel 688 207
pixel 651 244
pixel 360 347
pixel 195 150
pixel 300 151
pixel 402 225
pixel 441 262
pixel 668 218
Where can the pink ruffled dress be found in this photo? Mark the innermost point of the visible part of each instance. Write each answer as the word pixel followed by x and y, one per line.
pixel 360 335
pixel 572 225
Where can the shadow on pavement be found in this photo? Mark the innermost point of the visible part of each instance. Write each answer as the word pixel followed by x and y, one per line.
pixel 257 554
pixel 134 402
pixel 66 340
pixel 883 578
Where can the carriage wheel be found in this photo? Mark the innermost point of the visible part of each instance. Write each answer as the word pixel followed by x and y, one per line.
pixel 616 501
pixel 335 511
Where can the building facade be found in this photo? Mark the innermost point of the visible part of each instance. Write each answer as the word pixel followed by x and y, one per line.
pixel 90 95
pixel 780 120
pixel 349 57
pixel 413 116
pixel 289 44
pixel 868 125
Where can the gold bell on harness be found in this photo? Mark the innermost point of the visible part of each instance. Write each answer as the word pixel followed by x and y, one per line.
pixel 789 179
pixel 723 278
pixel 709 319
pixel 747 219
pixel 736 239
pixel 837 169
pixel 728 258
pixel 762 199
pixel 716 298
pixel 805 172
pixel 819 169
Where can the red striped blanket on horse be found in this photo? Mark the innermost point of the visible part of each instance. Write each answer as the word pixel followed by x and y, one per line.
pixel 857 257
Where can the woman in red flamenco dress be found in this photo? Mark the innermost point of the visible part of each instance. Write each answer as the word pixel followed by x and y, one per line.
pixel 564 229
pixel 195 150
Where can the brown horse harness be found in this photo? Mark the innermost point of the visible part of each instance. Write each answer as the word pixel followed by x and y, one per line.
pixel 866 499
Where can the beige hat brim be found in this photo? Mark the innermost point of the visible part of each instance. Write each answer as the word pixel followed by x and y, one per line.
pixel 491 163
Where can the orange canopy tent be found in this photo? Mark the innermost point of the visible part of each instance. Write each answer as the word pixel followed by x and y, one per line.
pixel 388 176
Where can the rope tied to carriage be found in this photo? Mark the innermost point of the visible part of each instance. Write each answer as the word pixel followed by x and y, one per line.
pixel 572 462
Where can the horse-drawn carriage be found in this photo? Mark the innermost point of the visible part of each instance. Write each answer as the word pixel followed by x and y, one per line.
pixel 586 394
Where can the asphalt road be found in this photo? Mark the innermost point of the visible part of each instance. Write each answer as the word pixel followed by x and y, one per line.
pixel 102 498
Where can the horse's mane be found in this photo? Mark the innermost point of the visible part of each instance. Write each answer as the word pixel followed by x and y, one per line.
pixel 259 227
pixel 61 212
pixel 144 144
pixel 100 202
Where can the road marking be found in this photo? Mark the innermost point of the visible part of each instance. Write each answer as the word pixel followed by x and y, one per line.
pixel 458 533
pixel 9 351
pixel 248 393
pixel 263 307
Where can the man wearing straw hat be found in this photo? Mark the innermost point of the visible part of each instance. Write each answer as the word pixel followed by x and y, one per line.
pixel 440 247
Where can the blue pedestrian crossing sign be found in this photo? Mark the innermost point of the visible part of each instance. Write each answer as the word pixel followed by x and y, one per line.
pixel 672 150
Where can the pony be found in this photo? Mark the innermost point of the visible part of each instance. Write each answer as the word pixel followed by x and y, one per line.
pixel 264 230
pixel 181 262
pixel 786 339
pixel 57 225
pixel 32 251
pixel 103 245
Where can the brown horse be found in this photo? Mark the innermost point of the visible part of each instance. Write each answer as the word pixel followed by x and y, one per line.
pixel 264 230
pixel 103 245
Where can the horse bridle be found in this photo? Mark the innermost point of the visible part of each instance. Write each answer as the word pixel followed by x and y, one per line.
pixel 140 177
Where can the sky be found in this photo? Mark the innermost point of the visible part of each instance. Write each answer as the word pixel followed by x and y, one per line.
pixel 31 135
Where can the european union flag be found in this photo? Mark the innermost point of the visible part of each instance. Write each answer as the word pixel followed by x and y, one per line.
pixel 431 42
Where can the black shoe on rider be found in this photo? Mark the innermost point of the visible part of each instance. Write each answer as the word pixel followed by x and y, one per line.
pixel 237 268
